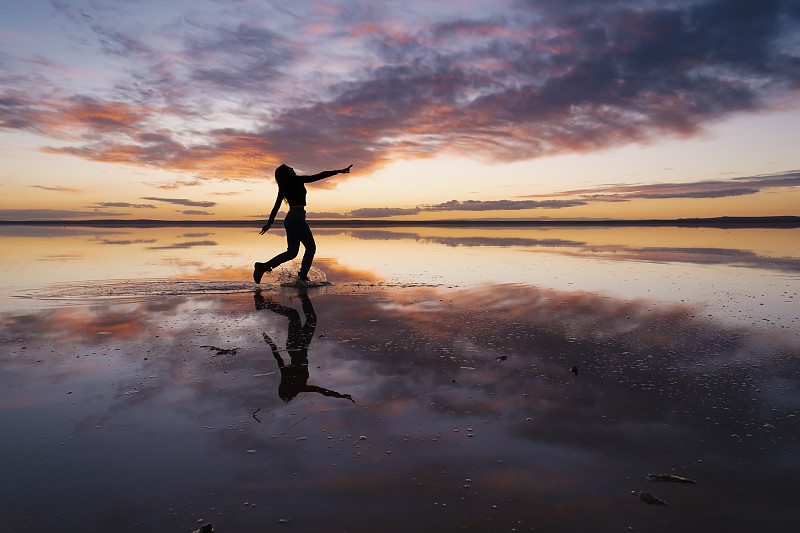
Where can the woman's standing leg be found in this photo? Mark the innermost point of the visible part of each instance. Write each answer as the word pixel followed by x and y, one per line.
pixel 305 236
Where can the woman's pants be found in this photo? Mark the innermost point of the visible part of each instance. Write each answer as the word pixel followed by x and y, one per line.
pixel 297 231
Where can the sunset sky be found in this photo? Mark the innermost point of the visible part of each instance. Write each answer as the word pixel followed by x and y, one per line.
pixel 516 109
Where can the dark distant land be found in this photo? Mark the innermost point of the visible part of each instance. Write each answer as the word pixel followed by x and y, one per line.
pixel 715 222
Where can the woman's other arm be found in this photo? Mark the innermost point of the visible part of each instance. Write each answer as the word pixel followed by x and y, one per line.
pixel 325 174
pixel 274 212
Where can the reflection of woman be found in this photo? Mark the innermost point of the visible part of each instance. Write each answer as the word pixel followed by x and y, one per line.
pixel 292 190
pixel 294 376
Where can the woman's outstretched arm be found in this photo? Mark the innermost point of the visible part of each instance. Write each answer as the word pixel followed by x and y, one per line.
pixel 325 174
pixel 274 349
pixel 274 212
pixel 326 392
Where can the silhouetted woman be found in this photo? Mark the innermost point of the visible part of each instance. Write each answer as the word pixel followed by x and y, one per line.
pixel 292 190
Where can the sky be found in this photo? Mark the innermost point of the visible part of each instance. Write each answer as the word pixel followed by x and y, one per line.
pixel 511 109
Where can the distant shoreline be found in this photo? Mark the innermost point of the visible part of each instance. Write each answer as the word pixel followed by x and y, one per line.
pixel 715 222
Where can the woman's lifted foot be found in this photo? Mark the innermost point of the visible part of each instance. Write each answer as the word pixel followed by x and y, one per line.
pixel 258 271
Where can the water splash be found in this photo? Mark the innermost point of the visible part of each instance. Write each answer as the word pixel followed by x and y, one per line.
pixel 287 276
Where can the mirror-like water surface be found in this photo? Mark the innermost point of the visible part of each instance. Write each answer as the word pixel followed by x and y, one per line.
pixel 447 380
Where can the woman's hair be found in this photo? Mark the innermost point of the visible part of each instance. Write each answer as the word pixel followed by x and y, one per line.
pixel 282 176
pixel 282 173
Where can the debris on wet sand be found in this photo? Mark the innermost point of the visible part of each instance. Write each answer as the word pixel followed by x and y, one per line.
pixel 671 478
pixel 222 351
pixel 648 498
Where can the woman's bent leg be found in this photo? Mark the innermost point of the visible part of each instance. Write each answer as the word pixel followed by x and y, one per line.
pixel 292 244
pixel 281 258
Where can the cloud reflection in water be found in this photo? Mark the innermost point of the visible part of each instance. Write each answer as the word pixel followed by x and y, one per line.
pixel 466 414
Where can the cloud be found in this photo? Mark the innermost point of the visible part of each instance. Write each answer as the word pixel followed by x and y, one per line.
pixel 381 212
pixel 35 214
pixel 229 96
pixel 501 205
pixel 49 231
pixel 320 214
pixel 180 201
pixel 55 188
pixel 10 37
pixel 78 117
pixel 128 242
pixel 183 245
pixel 740 186
pixel 245 57
pixel 180 183
pixel 103 205
pixel 605 75
pixel 112 41
pixel 195 212
pixel 465 205
pixel 720 193
pixel 783 179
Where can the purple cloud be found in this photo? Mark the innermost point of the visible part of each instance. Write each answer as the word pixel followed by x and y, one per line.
pixel 46 214
pixel 382 212
pixel 230 96
pixel 501 205
pixel 104 205
pixel 180 201
pixel 740 186
pixel 127 242
pixel 183 245
pixel 55 188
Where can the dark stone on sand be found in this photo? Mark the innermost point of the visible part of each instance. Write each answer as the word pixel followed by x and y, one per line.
pixel 649 499
pixel 672 478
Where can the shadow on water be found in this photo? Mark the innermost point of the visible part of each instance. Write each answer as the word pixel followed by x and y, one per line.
pixel 294 376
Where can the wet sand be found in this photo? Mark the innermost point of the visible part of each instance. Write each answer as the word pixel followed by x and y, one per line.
pixel 499 407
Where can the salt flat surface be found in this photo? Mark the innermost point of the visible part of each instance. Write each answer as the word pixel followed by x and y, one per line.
pixel 185 394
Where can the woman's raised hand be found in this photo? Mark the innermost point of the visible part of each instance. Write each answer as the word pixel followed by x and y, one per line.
pixel 346 170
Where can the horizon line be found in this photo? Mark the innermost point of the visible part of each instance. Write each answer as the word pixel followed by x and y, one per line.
pixel 738 221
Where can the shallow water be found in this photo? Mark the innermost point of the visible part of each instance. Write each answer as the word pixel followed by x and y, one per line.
pixel 534 387
pixel 744 276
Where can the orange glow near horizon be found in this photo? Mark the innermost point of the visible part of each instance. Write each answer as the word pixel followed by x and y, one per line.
pixel 254 199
